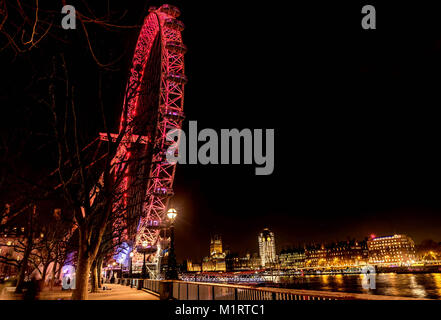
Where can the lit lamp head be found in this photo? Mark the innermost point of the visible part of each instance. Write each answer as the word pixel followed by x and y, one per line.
pixel 171 214
pixel 131 254
pixel 144 244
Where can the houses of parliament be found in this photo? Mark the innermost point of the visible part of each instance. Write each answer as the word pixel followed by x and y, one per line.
pixel 221 260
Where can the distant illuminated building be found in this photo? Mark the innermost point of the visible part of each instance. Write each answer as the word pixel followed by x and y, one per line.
pixel 9 247
pixel 245 263
pixel 292 258
pixel 193 267
pixel 315 255
pixel 216 247
pixel 267 247
pixel 340 254
pixel 350 253
pixel 216 260
pixel 397 249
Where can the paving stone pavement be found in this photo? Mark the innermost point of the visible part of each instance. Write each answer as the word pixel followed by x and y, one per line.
pixel 117 292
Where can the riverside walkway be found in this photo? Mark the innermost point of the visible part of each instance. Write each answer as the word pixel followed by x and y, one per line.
pixel 116 292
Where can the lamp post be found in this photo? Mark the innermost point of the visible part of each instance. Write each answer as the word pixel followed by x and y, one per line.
pixel 131 269
pixel 172 273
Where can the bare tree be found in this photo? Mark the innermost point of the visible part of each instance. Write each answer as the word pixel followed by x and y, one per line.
pixel 25 25
pixel 110 244
pixel 89 173
pixel 92 179
pixel 51 248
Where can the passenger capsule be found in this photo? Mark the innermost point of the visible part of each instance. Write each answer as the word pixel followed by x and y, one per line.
pixel 162 191
pixel 173 114
pixel 177 78
pixel 174 24
pixel 170 10
pixel 176 47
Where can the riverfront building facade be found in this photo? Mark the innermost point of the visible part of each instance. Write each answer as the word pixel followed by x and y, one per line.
pixel 292 258
pixel 385 251
pixel 391 250
pixel 349 253
pixel 398 249
pixel 244 263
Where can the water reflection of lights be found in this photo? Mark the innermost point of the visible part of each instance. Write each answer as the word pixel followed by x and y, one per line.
pixel 339 279
pixel 389 284
pixel 326 283
pixel 391 289
pixel 437 281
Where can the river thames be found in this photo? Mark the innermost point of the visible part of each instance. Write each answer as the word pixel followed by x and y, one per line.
pixel 426 285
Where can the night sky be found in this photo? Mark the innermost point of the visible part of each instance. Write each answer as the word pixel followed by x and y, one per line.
pixel 356 120
pixel 355 114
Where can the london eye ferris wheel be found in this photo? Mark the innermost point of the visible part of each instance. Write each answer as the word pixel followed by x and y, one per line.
pixel 153 106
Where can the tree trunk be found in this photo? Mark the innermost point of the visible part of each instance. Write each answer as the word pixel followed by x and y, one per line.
pixel 87 252
pixel 99 271
pixel 83 268
pixel 43 276
pixel 94 273
pixel 82 278
pixel 58 271
pixel 54 267
pixel 23 267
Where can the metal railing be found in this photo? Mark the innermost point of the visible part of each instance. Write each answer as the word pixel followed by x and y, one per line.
pixel 184 290
pixel 213 291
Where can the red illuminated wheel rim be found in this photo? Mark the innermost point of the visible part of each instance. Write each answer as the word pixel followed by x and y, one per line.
pixel 153 106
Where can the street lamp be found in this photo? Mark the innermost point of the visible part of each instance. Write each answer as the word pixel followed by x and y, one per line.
pixel 172 273
pixel 171 214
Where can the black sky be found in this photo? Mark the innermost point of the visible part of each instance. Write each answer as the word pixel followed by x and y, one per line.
pixel 355 114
